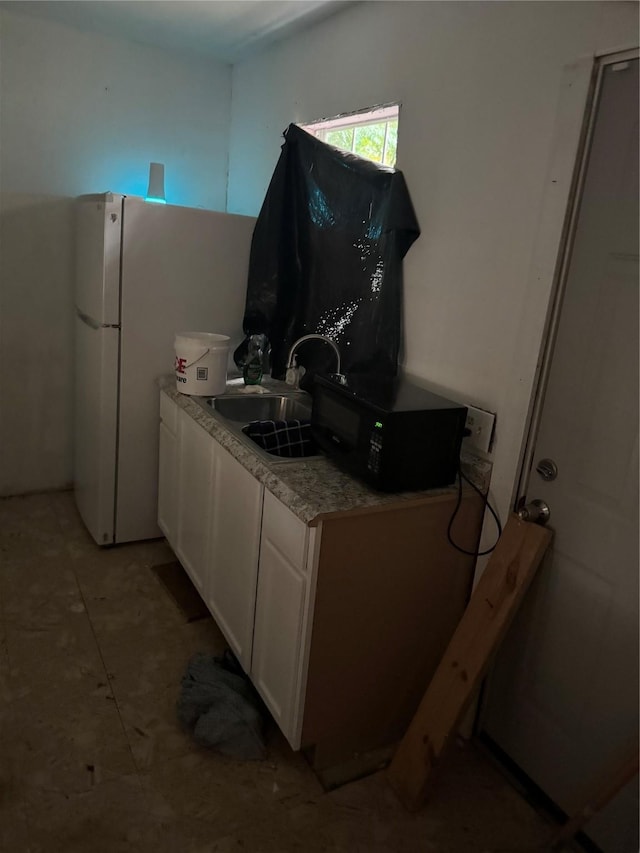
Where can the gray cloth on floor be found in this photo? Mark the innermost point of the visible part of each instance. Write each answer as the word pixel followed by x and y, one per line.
pixel 219 708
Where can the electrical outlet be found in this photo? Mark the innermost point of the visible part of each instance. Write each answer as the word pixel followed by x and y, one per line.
pixel 481 424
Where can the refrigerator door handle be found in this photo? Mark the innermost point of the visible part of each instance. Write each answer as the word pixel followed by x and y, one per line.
pixel 89 321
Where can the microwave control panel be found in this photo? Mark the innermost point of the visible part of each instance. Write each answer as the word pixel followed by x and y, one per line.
pixel 375 449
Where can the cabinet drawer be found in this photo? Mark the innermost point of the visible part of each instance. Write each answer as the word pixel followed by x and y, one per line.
pixel 169 414
pixel 286 532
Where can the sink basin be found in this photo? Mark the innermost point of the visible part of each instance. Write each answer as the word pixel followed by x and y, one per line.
pixel 237 411
pixel 243 410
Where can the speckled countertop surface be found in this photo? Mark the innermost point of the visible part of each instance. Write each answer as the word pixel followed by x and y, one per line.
pixel 310 489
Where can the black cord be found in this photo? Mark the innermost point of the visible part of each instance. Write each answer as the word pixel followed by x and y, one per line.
pixel 485 500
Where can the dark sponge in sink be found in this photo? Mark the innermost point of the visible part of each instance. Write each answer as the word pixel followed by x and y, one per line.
pixel 291 438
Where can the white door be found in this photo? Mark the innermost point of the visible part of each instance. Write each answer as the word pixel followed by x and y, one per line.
pixel 95 422
pixel 195 482
pixel 97 345
pixel 563 698
pixel 235 522
pixel 282 607
pixel 98 243
pixel 182 270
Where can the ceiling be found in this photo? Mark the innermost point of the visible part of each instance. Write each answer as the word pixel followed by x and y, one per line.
pixel 226 30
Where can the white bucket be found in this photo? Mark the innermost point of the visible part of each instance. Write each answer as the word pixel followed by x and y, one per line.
pixel 201 363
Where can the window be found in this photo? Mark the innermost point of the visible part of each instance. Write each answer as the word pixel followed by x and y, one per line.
pixel 372 134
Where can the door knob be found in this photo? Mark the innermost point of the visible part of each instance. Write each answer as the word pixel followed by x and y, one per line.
pixel 536 511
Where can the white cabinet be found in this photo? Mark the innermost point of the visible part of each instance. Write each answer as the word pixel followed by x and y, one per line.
pixel 236 514
pixel 249 565
pixel 195 478
pixel 341 625
pixel 210 510
pixel 282 607
pixel 168 469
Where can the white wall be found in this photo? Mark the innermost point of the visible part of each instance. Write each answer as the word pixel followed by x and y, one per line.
pixel 480 85
pixel 81 113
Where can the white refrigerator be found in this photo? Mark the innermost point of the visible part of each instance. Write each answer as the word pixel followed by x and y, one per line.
pixel 144 272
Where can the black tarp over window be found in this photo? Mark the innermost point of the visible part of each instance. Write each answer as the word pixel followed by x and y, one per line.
pixel 326 257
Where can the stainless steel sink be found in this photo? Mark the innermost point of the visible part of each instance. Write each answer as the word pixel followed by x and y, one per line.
pixel 236 411
pixel 243 410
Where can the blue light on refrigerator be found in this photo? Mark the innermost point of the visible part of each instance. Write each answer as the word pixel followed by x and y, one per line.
pixel 155 191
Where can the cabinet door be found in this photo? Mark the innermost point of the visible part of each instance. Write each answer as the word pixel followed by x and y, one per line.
pixel 195 478
pixel 282 620
pixel 231 588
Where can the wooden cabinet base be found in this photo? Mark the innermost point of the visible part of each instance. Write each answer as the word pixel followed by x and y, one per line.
pixel 340 623
pixel 390 592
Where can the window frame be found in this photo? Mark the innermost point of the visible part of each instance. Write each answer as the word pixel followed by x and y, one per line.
pixel 360 118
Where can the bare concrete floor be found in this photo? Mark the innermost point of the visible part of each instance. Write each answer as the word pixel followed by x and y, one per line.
pixel 92 650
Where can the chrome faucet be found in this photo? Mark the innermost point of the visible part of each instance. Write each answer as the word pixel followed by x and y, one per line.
pixel 291 364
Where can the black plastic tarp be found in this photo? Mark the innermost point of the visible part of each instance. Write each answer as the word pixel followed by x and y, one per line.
pixel 326 257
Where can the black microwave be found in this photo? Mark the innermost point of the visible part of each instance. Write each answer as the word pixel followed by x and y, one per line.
pixel 392 433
